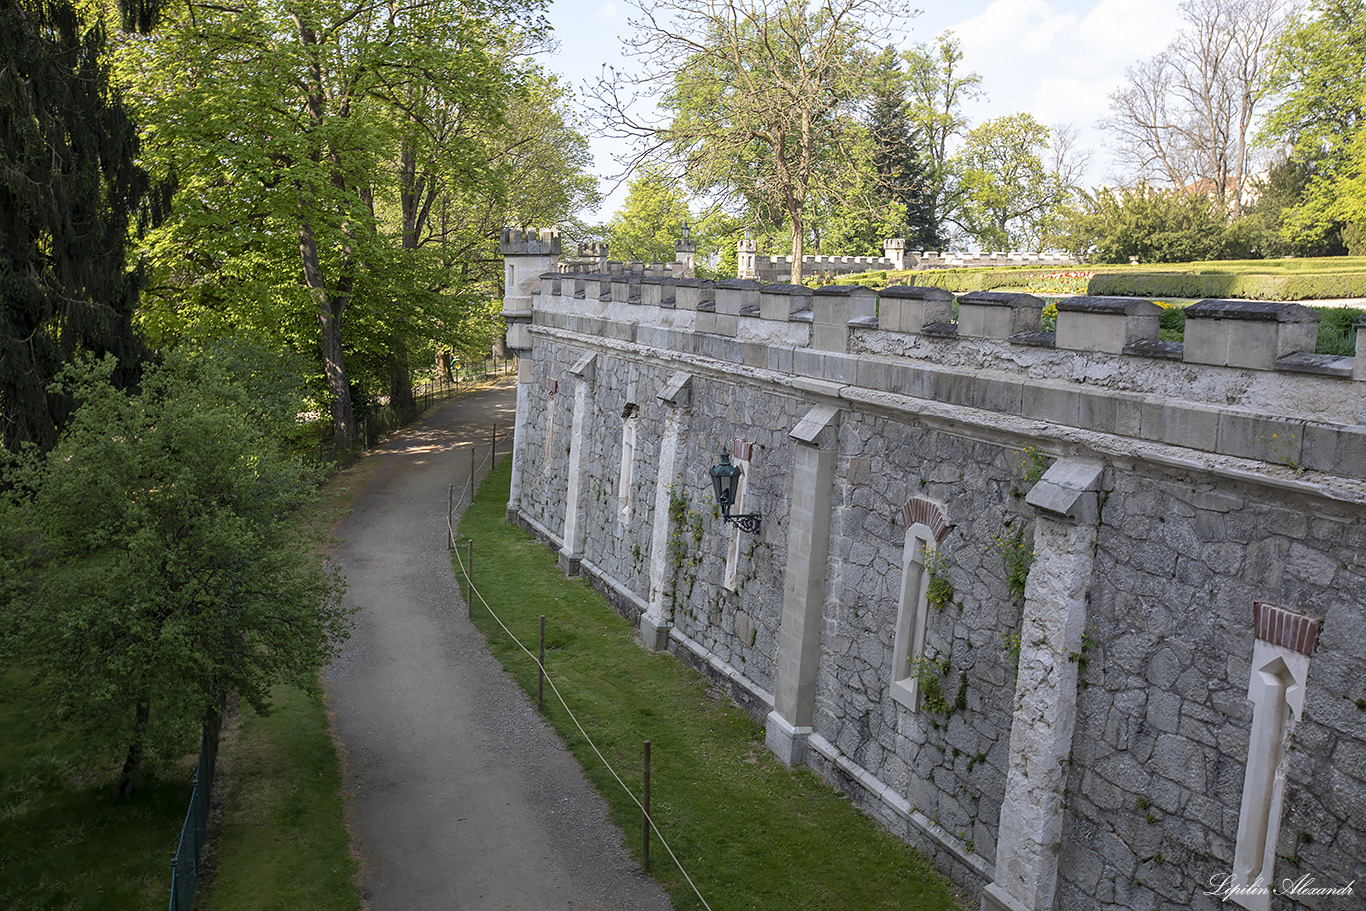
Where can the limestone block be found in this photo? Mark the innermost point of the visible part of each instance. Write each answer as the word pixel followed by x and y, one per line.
pixel 736 294
pixel 987 314
pixel 832 309
pixel 907 308
pixel 531 242
pixel 657 291
pixel 1105 323
pixel 1335 449
pixel 1249 334
pixel 550 284
pixel 779 302
pixel 691 293
pixel 1068 490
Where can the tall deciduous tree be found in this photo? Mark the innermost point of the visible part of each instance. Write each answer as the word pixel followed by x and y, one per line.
pixel 1185 117
pixel 286 122
pixel 1320 72
pixel 1009 194
pixel 156 552
pixel 755 90
pixel 70 192
pixel 936 91
pixel 651 219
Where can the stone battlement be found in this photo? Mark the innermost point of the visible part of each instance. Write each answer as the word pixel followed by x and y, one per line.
pixel 1245 383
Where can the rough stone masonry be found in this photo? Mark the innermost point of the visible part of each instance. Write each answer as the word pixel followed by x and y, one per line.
pixel 1082 614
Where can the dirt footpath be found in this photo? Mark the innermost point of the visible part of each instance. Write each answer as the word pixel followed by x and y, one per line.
pixel 459 795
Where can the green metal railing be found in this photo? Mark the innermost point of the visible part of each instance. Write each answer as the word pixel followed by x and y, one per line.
pixel 186 862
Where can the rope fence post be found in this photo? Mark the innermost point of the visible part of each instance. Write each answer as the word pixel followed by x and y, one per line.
pixel 645 816
pixel 450 520
pixel 469 573
pixel 540 670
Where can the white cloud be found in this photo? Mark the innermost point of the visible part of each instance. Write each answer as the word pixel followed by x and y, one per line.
pixel 608 12
pixel 1012 28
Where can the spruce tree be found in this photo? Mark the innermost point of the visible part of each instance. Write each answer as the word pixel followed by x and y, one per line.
pixel 70 192
pixel 901 171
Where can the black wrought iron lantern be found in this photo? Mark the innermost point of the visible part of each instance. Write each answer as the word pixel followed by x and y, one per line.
pixel 725 478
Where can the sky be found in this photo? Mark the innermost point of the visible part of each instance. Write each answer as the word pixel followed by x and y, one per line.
pixel 1057 59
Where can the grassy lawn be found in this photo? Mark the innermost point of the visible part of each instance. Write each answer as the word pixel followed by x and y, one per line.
pixel 66 842
pixel 751 833
pixel 283 842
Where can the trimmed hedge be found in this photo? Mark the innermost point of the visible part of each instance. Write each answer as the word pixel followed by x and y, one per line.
pixel 1244 286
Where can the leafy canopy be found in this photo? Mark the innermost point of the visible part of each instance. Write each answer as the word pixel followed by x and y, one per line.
pixel 155 560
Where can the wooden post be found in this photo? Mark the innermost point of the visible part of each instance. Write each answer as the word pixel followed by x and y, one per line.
pixel 645 827
pixel 493 451
pixel 471 471
pixel 450 522
pixel 540 669
pixel 469 572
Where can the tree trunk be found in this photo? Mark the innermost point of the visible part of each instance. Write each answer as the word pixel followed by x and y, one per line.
pixel 443 365
pixel 400 378
pixel 133 763
pixel 329 311
pixel 798 230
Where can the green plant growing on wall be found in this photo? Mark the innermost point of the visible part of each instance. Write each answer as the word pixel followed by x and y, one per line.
pixel 930 676
pixel 685 534
pixel 1081 658
pixel 1011 639
pixel 1017 558
pixel 1033 463
pixel 940 591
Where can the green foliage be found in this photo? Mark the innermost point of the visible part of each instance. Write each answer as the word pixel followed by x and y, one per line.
pixel 1202 283
pixel 1016 557
pixel 650 220
pixel 930 676
pixel 754 95
pixel 1033 463
pixel 936 90
pixel 157 562
pixel 1008 196
pixel 67 841
pixel 1151 224
pixel 71 193
pixel 940 590
pixel 1320 77
pixel 337 182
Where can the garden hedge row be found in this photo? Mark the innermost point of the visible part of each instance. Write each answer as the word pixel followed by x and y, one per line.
pixel 1244 286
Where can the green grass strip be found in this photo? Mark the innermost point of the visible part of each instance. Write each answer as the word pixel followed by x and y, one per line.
pixel 752 833
pixel 66 841
pixel 283 842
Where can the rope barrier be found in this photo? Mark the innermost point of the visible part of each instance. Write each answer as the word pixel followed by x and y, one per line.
pixel 574 718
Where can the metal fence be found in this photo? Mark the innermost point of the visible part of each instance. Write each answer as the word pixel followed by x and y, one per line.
pixel 386 419
pixel 185 864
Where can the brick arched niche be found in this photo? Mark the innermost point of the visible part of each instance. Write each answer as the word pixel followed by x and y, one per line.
pixel 926 525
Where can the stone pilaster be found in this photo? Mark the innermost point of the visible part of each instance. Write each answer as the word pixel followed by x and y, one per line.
pixel 657 620
pixel 1046 688
pixel 808 547
pixel 519 433
pixel 571 550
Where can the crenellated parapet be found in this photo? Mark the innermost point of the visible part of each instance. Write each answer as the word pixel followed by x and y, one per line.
pixel 1245 376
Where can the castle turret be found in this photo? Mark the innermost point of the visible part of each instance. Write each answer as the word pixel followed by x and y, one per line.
pixel 526 255
pixel 747 252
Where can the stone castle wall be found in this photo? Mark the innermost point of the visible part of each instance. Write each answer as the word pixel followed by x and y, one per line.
pixel 1090 742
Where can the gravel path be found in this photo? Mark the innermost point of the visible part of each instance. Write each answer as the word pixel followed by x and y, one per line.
pixel 458 795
